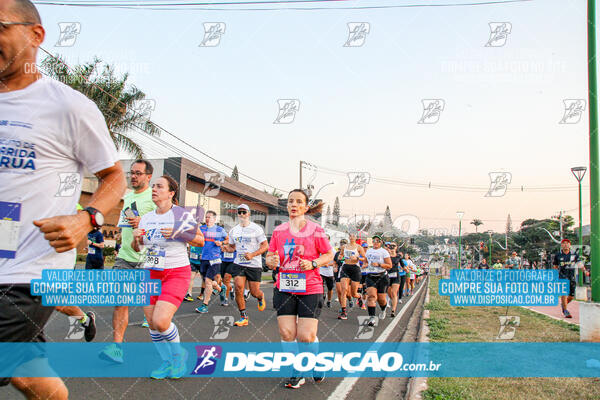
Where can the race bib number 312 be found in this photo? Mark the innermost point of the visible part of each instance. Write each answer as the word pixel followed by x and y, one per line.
pixel 292 282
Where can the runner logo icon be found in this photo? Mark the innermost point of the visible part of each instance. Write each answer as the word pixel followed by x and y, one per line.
pixel 222 325
pixel 364 330
pixel 357 33
pixel 213 31
pixel 499 32
pixel 68 33
pixel 574 109
pixel 498 183
pixel 432 109
pixel 69 182
pixel 287 111
pixel 76 329
pixel 207 359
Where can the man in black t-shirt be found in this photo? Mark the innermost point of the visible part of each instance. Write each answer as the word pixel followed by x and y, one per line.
pixel 95 259
pixel 566 263
pixel 483 264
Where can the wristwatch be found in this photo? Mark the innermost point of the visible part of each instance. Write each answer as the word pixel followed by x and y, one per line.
pixel 315 265
pixel 96 217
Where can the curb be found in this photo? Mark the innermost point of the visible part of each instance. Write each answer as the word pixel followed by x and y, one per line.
pixel 417 385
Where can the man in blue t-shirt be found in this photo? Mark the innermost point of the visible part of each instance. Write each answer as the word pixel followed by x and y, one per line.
pixel 95 259
pixel 210 264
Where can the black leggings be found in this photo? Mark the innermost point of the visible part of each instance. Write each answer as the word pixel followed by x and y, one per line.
pixel 402 280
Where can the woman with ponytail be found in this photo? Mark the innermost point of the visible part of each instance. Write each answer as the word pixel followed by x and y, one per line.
pixel 167 259
pixel 299 247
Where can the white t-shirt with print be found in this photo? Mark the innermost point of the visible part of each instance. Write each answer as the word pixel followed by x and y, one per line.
pixel 174 251
pixel 247 240
pixel 48 134
pixel 326 270
pixel 376 256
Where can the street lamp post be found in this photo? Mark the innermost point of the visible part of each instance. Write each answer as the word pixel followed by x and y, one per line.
pixel 490 246
pixel 459 214
pixel 579 173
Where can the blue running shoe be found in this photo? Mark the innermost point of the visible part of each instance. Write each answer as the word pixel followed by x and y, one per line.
pixel 179 366
pixel 161 372
pixel 203 309
pixel 223 293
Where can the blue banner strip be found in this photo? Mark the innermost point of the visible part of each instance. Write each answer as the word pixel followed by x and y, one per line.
pixel 335 359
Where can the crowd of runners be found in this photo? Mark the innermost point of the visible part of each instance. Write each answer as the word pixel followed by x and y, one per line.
pixel 55 129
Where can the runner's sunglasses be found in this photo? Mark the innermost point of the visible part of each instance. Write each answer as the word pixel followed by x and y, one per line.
pixel 5 24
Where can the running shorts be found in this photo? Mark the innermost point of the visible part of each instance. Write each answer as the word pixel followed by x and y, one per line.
pixel 572 285
pixel 174 284
pixel 124 264
pixel 94 263
pixel 251 274
pixel 351 271
pixel 209 271
pixel 338 274
pixel 302 305
pixel 379 281
pixel 227 267
pixel 195 267
pixel 394 280
pixel 22 319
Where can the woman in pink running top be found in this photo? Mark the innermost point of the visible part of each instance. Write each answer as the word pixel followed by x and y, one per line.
pixel 299 247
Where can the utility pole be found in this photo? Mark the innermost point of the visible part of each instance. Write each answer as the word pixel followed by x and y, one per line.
pixel 560 221
pixel 594 156
pixel 301 162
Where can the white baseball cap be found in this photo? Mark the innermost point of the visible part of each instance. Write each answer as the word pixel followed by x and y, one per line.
pixel 244 206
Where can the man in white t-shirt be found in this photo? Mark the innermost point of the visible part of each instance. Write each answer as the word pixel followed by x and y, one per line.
pixel 248 240
pixel 48 134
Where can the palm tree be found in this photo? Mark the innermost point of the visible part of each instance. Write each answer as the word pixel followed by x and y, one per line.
pixel 115 99
pixel 275 193
pixel 476 222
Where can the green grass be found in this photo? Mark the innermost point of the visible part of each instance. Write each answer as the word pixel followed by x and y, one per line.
pixel 266 276
pixel 481 324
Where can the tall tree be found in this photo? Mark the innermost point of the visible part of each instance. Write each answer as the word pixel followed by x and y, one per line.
pixel 509 225
pixel 336 212
pixel 235 173
pixel 387 218
pixel 117 100
pixel 328 218
pixel 476 222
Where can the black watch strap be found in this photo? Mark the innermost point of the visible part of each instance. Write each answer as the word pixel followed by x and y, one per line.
pixel 96 217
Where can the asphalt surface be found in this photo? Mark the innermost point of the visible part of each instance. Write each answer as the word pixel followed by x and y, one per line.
pixel 195 327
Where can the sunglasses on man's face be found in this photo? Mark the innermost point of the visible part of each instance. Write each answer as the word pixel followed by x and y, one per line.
pixel 242 212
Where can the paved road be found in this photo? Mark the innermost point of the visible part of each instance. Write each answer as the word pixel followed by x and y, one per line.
pixel 195 327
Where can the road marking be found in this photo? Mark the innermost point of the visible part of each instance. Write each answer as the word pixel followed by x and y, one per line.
pixel 345 386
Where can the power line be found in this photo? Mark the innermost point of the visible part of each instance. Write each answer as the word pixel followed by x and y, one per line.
pixel 210 6
pixel 168 132
pixel 448 187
